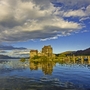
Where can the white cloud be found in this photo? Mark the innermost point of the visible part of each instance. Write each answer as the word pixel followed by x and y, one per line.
pixel 49 38
pixel 22 20
pixel 75 3
pixel 75 13
pixel 84 18
pixel 88 10
pixel 84 31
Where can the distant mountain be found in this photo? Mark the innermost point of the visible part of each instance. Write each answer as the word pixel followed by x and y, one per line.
pixel 82 52
pixel 7 57
pixel 76 53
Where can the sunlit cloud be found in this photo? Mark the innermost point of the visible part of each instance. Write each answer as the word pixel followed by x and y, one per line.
pixel 22 20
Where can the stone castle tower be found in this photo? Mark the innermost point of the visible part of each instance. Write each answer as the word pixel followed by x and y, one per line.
pixel 47 51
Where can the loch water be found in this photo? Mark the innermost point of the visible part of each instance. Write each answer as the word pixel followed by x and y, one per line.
pixel 17 75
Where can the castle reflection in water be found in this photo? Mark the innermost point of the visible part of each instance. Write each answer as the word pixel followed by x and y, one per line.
pixel 47 66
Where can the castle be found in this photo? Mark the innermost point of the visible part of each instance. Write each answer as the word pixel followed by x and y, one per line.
pixel 46 51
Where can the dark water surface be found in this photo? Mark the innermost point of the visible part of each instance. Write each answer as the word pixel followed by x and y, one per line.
pixel 17 75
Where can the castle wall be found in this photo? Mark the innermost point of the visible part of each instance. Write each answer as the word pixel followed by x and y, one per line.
pixel 47 51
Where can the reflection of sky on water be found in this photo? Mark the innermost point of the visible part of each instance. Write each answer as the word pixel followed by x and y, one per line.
pixel 48 71
pixel 78 74
pixel 17 68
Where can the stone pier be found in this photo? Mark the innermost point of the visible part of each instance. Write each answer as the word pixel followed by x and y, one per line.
pixel 82 59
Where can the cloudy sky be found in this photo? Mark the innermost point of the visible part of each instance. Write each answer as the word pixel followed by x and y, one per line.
pixel 31 24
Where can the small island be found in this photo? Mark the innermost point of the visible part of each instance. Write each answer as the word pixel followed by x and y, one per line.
pixel 47 55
